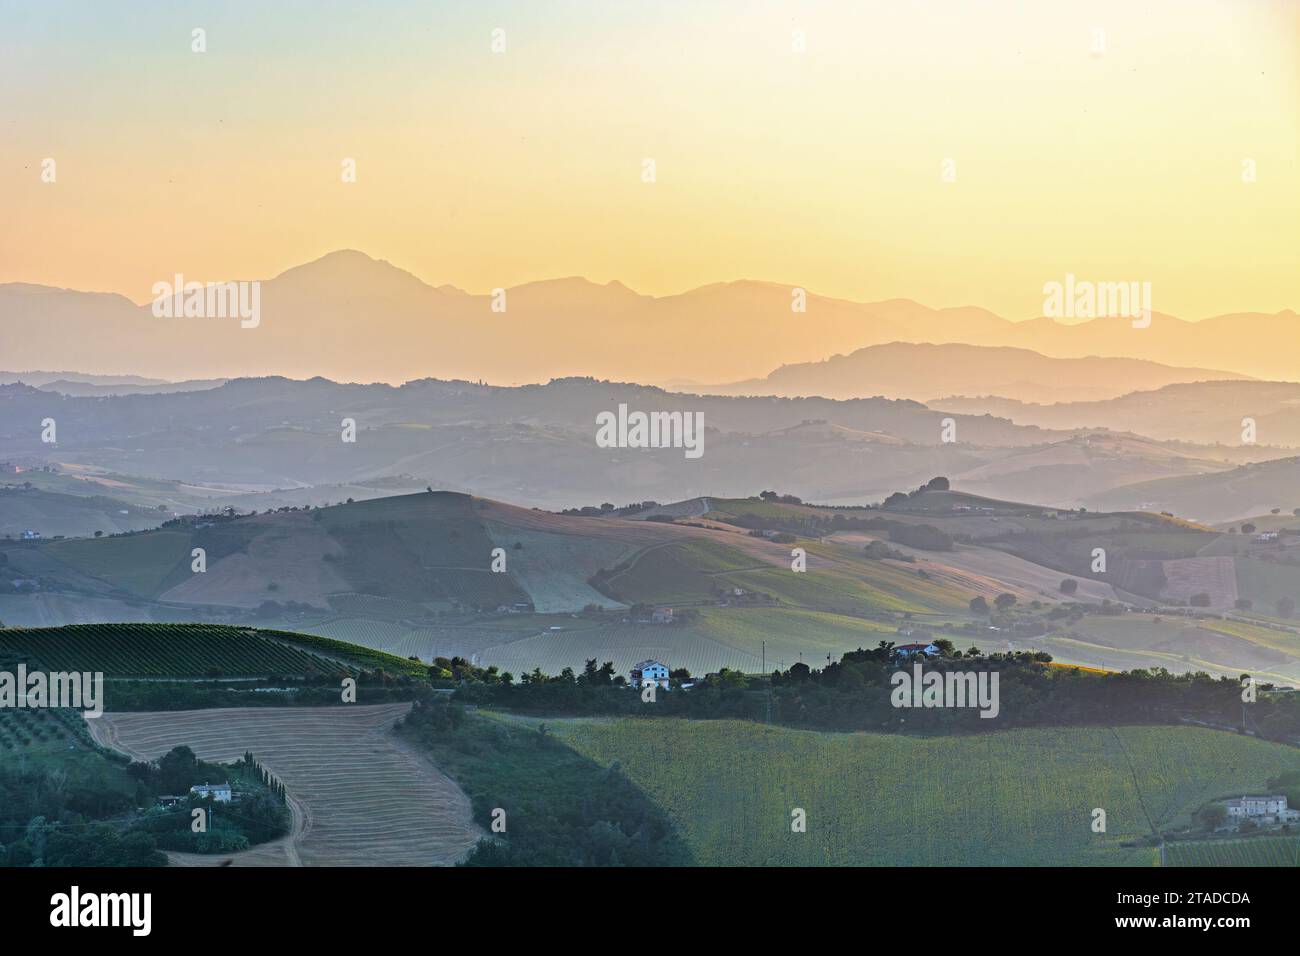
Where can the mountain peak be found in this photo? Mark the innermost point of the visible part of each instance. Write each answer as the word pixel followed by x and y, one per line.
pixel 350 267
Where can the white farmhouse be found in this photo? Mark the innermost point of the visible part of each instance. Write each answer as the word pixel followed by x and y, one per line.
pixel 650 672
pixel 219 792
pixel 1269 809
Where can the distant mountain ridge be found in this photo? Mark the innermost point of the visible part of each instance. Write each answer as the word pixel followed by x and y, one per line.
pixel 1207 412
pixel 349 317
pixel 912 370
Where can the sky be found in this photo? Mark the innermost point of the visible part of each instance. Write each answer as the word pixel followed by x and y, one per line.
pixel 954 153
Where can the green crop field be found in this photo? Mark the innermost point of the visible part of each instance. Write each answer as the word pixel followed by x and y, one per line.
pixel 160 650
pixel 377 608
pixel 188 651
pixel 379 635
pixel 689 572
pixel 430 547
pixel 1265 582
pixel 791 634
pixel 57 742
pixel 1021 797
pixel 719 637
pixel 682 572
pixel 1256 851
pixel 865 588
pixel 44 734
pixel 140 563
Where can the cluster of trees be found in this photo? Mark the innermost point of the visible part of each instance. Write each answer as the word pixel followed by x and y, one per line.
pixel 899 498
pixel 50 816
pixel 1003 602
pixel 854 694
pixel 259 815
pixel 801 523
pixel 924 536
pixel 607 508
pixel 878 550
pixel 543 804
pixel 320 690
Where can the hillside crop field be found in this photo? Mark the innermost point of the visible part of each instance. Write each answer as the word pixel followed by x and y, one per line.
pixel 1256 851
pixel 139 563
pixel 1227 648
pixel 359 796
pixel 1022 797
pixel 721 637
pixel 187 651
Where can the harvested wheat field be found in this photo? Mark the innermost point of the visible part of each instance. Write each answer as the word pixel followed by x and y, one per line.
pixel 359 796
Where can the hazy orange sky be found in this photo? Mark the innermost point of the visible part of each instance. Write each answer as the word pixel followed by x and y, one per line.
pixel 819 168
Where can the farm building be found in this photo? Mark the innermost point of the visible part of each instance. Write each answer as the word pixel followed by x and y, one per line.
pixel 220 792
pixel 650 672
pixel 1269 809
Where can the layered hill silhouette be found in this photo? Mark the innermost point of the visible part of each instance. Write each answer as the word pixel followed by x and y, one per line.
pixel 1245 492
pixel 282 439
pixel 353 318
pixel 910 370
pixel 1208 412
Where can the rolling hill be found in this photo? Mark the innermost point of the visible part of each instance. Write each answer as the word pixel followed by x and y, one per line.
pixel 269 443
pixel 914 371
pixel 56 514
pixel 411 575
pixel 1209 413
pixel 1224 496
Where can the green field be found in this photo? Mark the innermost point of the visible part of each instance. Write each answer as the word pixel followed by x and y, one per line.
pixel 1264 582
pixel 863 588
pixel 1256 851
pixel 683 572
pixel 719 637
pixel 56 744
pixel 187 651
pixel 695 572
pixel 1022 797
pixel 371 607
pixel 418 548
pixel 143 564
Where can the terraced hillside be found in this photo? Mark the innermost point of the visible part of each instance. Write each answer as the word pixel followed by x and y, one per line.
pixel 359 796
